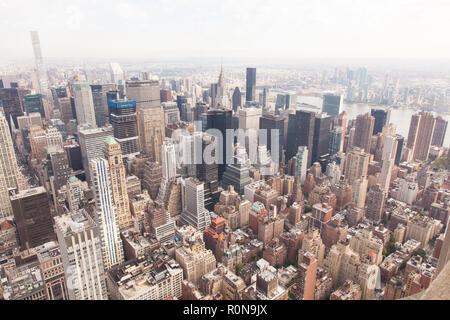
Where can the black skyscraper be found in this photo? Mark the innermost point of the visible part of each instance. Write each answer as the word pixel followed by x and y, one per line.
pixel 382 118
pixel 250 88
pixel 301 133
pixel 321 139
pixel 398 154
pixel 33 217
pixel 221 119
pixel 271 121
pixel 236 99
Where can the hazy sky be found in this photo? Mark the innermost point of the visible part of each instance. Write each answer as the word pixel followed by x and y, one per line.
pixel 227 28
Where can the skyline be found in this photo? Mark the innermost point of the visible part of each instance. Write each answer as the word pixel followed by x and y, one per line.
pixel 323 30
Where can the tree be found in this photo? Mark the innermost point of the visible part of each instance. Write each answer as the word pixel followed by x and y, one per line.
pixel 308 209
pixel 239 267
pixel 421 253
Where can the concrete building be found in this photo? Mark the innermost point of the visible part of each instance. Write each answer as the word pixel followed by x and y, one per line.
pixel 81 254
pixel 144 279
pixel 113 154
pixel 32 217
pixel 106 214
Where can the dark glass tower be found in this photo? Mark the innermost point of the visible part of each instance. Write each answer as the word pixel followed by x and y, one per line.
pixel 398 154
pixel 270 121
pixel 250 87
pixel 301 133
pixel 122 115
pixel 321 139
pixel 221 119
pixel 382 117
pixel 236 99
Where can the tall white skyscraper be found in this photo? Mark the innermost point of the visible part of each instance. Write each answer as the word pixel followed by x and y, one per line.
pixel 117 75
pixel 81 254
pixel 40 66
pixel 193 204
pixel 168 160
pixel 9 170
pixel 84 104
pixel 106 214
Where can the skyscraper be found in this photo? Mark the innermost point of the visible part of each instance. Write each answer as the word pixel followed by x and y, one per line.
pixel 193 204
pixel 269 122
pixel 81 253
pixel 420 134
pixel 9 170
pixel 332 104
pixel 236 99
pixel 220 119
pixel 265 100
pixel 335 142
pixel 250 87
pixel 151 131
pixel 91 145
pixel 106 214
pixel 321 139
pixel 33 218
pixel 40 66
pixel 382 118
pixel 99 99
pixel 122 116
pixel 399 151
pixel 84 104
pixel 439 132
pixel 375 203
pixel 33 103
pixel 145 92
pixel 12 101
pixel 356 164
pixel 363 131
pixel 168 160
pixel 301 133
pixel 301 161
pixel 113 154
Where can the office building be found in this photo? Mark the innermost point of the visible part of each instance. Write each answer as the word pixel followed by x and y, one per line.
pixel 375 203
pixel 84 104
pixel 439 132
pixel 363 131
pixel 301 133
pixel 137 280
pixel 91 145
pixel 81 253
pixel 106 214
pixel 122 116
pixel 381 119
pixel 151 131
pixel 420 135
pixel 356 164
pixel 269 122
pixel 332 105
pixel 250 87
pixel 220 119
pixel 113 154
pixel 40 66
pixel 193 204
pixel 236 99
pixel 32 103
pixel 33 217
pixel 12 101
pixel 322 127
pixel 193 257
pixel 145 92
pixel 9 169
pixel 100 102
